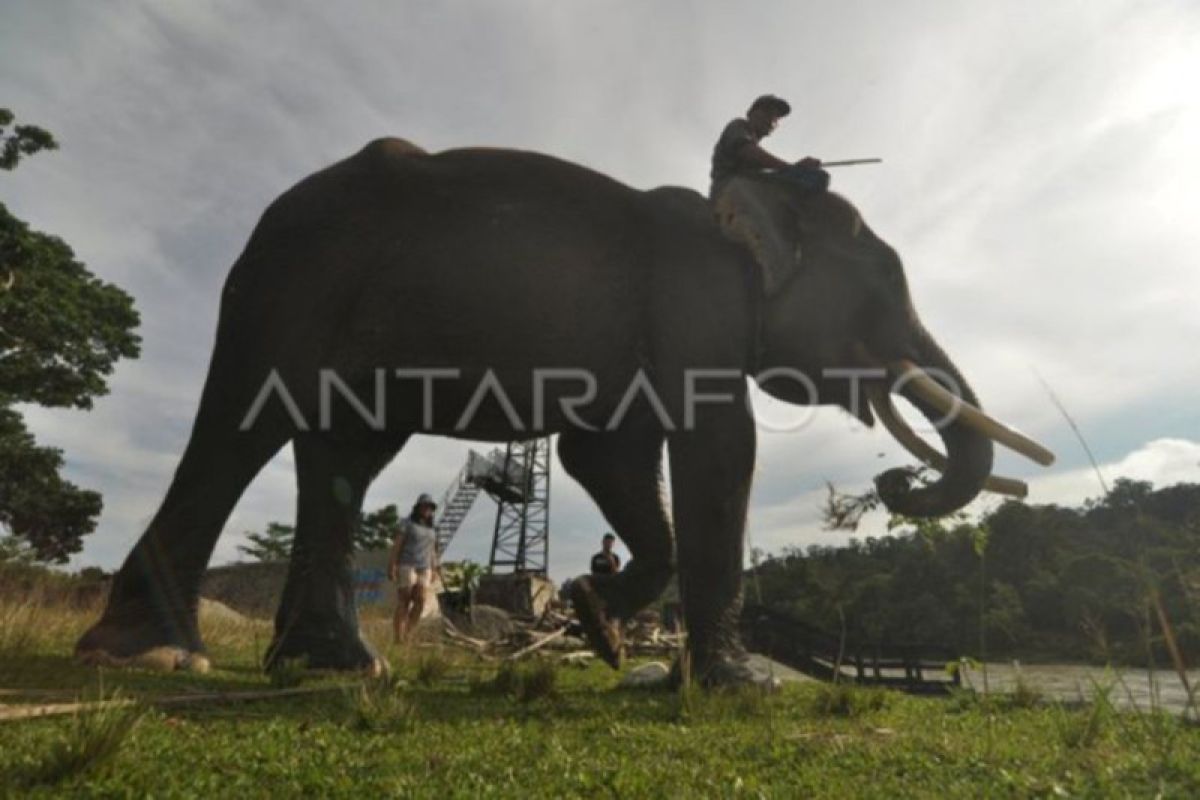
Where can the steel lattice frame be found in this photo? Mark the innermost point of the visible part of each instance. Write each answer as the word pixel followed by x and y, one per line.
pixel 521 542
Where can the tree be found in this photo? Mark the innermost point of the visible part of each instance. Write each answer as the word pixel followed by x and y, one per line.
pixel 15 551
pixel 1022 581
pixel 22 140
pixel 273 545
pixel 61 331
pixel 375 531
pixel 36 504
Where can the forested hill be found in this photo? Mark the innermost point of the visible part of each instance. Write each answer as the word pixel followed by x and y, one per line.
pixel 1025 581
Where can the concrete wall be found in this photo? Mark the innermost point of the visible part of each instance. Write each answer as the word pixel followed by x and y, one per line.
pixel 251 589
pixel 255 589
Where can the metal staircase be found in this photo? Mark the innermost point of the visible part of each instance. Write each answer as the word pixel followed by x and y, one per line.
pixel 456 504
pixel 504 479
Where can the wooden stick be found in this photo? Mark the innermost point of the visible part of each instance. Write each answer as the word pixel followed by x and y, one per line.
pixel 475 646
pixel 55 709
pixel 456 635
pixel 205 698
pixel 539 643
pixel 850 162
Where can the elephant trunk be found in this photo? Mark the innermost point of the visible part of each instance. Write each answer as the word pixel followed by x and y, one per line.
pixel 969 450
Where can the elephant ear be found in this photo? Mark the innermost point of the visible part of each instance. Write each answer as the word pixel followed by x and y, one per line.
pixel 751 212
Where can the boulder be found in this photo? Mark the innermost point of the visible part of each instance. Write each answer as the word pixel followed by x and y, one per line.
pixel 651 675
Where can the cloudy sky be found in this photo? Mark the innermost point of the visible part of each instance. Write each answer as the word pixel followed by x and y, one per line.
pixel 1040 173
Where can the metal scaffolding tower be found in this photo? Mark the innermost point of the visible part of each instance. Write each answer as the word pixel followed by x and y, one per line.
pixel 521 541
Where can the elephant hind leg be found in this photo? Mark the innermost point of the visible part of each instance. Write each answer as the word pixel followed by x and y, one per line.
pixel 317 618
pixel 150 617
pixel 621 470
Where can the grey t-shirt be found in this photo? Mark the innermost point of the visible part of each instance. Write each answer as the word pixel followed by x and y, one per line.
pixel 419 541
pixel 725 156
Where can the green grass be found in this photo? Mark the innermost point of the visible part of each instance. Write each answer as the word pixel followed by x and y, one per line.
pixel 847 700
pixel 87 744
pixel 536 730
pixel 288 673
pixel 431 668
pixel 525 683
pixel 380 705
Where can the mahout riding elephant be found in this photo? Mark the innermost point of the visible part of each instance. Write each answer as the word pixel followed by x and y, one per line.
pixel 496 295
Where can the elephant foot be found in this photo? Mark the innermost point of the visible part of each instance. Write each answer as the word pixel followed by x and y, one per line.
pixel 344 651
pixel 727 671
pixel 140 646
pixel 603 633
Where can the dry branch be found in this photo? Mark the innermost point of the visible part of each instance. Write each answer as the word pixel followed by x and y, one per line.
pixel 538 644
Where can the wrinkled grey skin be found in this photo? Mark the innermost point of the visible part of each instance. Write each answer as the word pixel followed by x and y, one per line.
pixel 503 260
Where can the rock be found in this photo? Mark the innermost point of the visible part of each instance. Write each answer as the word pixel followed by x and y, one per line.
pixel 216 611
pixel 483 622
pixel 776 670
pixel 251 589
pixel 428 630
pixel 524 593
pixel 646 676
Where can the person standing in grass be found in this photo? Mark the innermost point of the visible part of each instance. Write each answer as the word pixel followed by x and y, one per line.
pixel 411 564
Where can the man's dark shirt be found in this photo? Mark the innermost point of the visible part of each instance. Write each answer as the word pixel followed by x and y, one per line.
pixel 605 563
pixel 726 159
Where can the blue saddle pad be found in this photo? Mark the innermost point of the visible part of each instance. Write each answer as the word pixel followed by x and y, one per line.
pixel 816 180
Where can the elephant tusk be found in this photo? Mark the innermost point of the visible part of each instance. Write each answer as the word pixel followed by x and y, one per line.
pixel 947 403
pixel 12 278
pixel 881 401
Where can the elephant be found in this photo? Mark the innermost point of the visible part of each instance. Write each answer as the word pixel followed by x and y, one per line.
pixel 473 293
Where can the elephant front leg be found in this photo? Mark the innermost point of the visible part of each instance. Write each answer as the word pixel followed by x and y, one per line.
pixel 621 470
pixel 711 473
pixel 317 618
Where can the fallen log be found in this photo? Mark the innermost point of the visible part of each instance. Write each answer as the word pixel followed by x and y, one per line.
pixel 9 713
pixel 539 643
pixel 453 633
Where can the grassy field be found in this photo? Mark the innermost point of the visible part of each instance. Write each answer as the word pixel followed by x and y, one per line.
pixel 448 725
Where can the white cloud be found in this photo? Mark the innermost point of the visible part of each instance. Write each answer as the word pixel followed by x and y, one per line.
pixel 1162 462
pixel 1039 178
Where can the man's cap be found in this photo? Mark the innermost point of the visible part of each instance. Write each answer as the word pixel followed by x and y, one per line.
pixel 426 500
pixel 609 536
pixel 772 103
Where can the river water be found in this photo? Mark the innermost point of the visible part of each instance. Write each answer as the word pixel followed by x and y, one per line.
pixel 1130 687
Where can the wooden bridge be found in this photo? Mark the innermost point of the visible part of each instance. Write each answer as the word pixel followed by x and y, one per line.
pixel 916 668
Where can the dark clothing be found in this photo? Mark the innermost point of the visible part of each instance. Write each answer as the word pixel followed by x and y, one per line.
pixel 606 563
pixel 727 160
